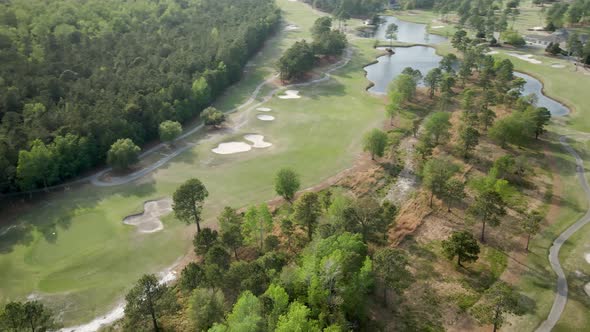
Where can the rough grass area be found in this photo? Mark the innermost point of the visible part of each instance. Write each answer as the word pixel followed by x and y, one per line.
pixel 73 250
pixel 538 281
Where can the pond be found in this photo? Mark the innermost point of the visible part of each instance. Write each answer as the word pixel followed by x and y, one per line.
pixel 424 58
pixel 407 32
pixel 389 67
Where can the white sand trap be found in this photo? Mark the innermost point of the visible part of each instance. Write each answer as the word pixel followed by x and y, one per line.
pixel 265 117
pixel 557 65
pixel 525 57
pixel 232 147
pixel 149 220
pixel 587 258
pixel 587 289
pixel 492 52
pixel 290 94
pixel 257 140
pixel 438 26
pixel 291 27
pixel 263 109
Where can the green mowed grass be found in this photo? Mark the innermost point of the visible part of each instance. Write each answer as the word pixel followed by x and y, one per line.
pixel 571 88
pixel 539 281
pixel 73 250
pixel 81 248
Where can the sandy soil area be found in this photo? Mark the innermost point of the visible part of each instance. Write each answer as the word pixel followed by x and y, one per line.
pixel 232 147
pixel 290 94
pixel 149 220
pixel 264 117
pixel 257 141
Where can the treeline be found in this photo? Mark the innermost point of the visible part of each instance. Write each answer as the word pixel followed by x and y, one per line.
pixel 301 57
pixel 492 109
pixel 574 47
pixel 570 13
pixel 76 77
pixel 484 85
pixel 349 8
pixel 304 267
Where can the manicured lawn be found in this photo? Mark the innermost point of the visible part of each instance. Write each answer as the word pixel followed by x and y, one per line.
pixel 92 258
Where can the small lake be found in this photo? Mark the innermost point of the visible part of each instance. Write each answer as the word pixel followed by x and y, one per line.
pixel 424 58
pixel 389 67
pixel 408 32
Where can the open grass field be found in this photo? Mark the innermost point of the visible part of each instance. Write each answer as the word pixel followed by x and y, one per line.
pixel 72 249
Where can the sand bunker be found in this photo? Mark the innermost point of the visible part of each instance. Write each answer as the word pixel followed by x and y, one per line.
pixel 587 289
pixel 232 147
pixel 290 94
pixel 291 27
pixel 557 65
pixel 263 109
pixel 492 52
pixel 587 258
pixel 265 117
pixel 149 220
pixel 525 57
pixel 257 141
pixel 438 26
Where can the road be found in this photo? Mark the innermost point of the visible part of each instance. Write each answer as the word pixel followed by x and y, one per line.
pixel 562 290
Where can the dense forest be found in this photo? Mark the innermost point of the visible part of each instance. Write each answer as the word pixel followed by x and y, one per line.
pixel 348 8
pixel 76 77
pixel 300 58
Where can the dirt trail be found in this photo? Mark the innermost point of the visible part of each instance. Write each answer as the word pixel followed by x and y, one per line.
pixel 406 181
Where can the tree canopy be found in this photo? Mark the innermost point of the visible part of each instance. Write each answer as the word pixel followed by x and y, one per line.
pixel 188 201
pixel 123 153
pixel 375 142
pixel 104 70
pixel 287 183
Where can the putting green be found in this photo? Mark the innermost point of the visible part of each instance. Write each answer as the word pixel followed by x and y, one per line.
pixel 73 250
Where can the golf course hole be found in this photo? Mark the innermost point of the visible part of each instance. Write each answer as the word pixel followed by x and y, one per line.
pixel 264 117
pixel 263 109
pixel 290 94
pixel 257 141
pixel 232 147
pixel 149 220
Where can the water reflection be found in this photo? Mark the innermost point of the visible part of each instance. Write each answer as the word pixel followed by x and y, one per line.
pixel 408 32
pixel 389 67
pixel 534 86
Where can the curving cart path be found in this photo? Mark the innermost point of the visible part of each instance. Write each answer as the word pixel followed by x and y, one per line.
pixel 166 276
pixel 562 290
pixel 96 178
